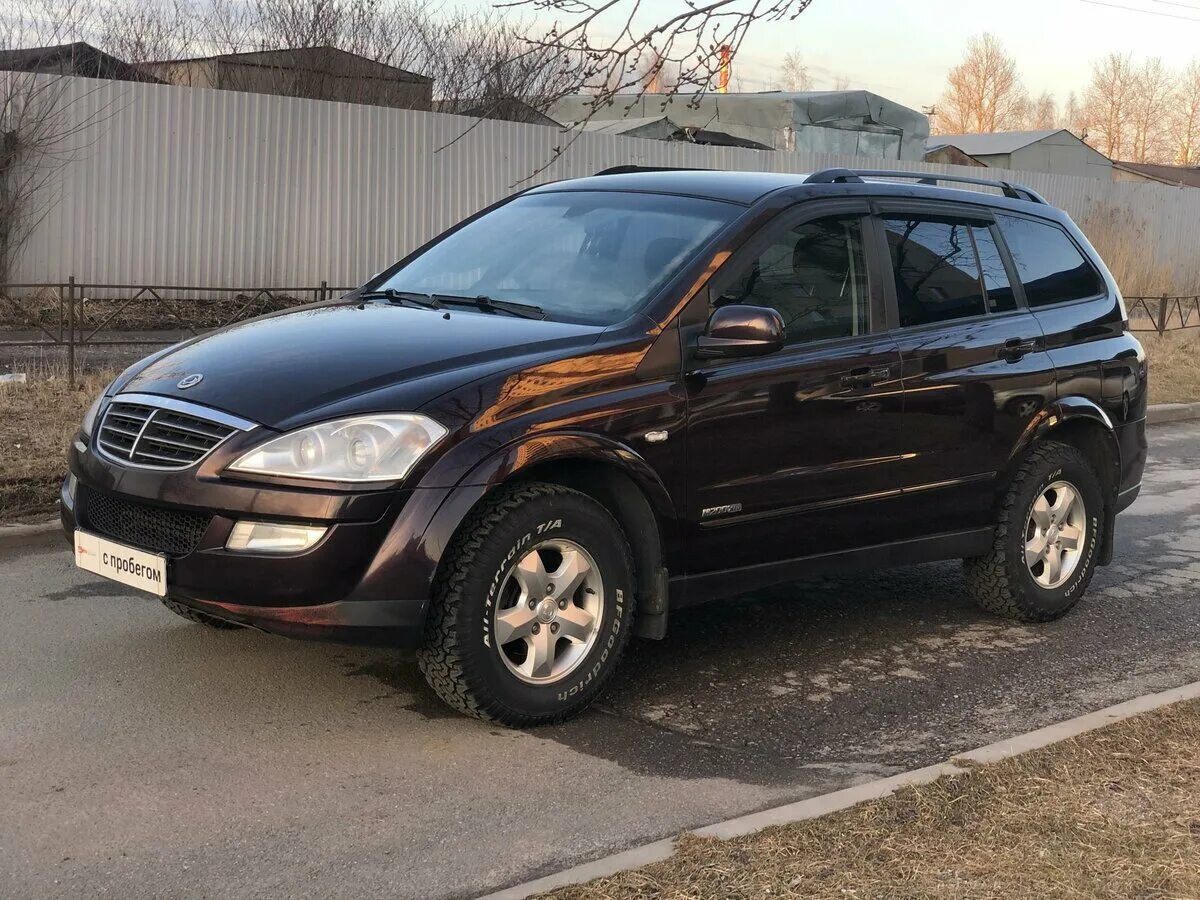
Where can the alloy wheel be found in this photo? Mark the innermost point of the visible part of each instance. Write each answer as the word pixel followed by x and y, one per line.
pixel 549 612
pixel 1054 534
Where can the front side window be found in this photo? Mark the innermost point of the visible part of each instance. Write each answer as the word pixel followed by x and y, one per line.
pixel 1048 263
pixel 814 275
pixel 582 256
pixel 935 268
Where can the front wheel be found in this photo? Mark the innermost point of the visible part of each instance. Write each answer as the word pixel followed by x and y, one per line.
pixel 1047 537
pixel 531 608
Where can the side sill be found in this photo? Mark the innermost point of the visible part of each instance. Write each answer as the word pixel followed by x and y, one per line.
pixel 693 589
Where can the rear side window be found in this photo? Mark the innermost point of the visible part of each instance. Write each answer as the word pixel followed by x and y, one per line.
pixel 999 290
pixel 936 271
pixel 1050 266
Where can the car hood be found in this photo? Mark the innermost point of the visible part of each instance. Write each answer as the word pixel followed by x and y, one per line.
pixel 318 362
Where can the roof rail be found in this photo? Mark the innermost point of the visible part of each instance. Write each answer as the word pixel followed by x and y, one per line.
pixel 855 176
pixel 625 170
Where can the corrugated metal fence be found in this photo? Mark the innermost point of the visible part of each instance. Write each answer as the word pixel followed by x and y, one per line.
pixel 190 186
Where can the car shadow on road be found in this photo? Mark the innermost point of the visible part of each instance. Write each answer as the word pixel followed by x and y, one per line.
pixel 754 689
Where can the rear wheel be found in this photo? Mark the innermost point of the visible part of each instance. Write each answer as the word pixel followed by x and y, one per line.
pixel 1047 538
pixel 531 608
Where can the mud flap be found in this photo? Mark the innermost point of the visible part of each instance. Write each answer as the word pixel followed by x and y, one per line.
pixel 652 609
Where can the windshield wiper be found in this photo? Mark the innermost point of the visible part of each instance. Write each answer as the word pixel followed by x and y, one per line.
pixel 487 304
pixel 429 301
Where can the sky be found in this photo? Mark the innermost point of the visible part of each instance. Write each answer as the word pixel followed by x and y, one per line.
pixel 902 49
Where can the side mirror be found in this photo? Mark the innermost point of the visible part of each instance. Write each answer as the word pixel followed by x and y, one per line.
pixel 735 331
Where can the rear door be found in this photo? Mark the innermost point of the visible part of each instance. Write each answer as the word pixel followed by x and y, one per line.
pixel 974 365
pixel 789 454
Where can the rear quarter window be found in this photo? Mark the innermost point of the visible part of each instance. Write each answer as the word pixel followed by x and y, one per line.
pixel 1050 266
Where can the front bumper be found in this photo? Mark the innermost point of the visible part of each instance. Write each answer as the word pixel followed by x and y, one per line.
pixel 366 581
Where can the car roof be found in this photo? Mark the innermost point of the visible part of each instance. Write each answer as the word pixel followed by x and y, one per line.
pixel 748 187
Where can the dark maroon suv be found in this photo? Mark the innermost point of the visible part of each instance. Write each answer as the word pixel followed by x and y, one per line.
pixel 603 400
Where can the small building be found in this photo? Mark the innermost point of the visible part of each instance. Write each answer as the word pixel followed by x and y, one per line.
pixel 856 123
pixel 505 109
pixel 1055 152
pixel 318 73
pixel 1182 176
pixel 661 128
pixel 78 59
pixel 949 155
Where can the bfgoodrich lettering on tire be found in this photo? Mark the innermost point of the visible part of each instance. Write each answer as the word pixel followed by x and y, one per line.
pixel 1047 538
pixel 532 607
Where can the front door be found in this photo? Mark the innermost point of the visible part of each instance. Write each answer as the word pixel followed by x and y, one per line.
pixel 792 454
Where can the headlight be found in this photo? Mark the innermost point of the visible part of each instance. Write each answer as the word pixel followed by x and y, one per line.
pixel 89 418
pixel 367 448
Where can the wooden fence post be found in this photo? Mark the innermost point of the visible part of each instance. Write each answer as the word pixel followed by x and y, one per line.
pixel 1162 314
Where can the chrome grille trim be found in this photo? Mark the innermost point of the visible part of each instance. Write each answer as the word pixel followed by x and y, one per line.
pixel 151 432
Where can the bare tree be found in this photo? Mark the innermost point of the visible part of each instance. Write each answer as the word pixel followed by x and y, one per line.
pixel 1043 112
pixel 612 40
pixel 141 32
pixel 39 129
pixel 1184 124
pixel 984 92
pixel 1109 102
pixel 1149 113
pixel 1074 116
pixel 793 73
pixel 842 82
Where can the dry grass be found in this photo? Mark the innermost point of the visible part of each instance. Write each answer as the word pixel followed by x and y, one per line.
pixel 1114 813
pixel 1174 365
pixel 39 419
pixel 1120 237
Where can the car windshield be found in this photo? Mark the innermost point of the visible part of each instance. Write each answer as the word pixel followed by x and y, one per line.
pixel 581 256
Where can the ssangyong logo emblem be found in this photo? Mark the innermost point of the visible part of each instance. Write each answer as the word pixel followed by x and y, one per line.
pixel 189 381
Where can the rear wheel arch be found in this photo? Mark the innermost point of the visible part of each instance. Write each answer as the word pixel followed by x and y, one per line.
pixel 1082 424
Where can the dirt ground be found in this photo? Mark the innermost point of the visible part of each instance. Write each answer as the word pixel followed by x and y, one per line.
pixel 39 419
pixel 1114 813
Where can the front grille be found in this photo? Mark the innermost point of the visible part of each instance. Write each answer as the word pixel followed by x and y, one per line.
pixel 157 437
pixel 175 532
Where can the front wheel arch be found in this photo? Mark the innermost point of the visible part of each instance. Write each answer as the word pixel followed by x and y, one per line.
pixel 625 498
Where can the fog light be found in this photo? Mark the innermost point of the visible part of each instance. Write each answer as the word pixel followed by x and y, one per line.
pixel 72 484
pixel 271 537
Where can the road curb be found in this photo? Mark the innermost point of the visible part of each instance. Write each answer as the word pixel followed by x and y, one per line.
pixel 824 804
pixel 12 536
pixel 1166 413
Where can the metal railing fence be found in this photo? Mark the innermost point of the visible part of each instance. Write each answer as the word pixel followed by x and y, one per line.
pixel 65 315
pixel 1165 313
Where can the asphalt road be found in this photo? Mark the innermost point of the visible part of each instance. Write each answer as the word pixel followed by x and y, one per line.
pixel 144 756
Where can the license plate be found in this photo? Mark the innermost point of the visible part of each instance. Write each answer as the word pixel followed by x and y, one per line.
pixel 128 565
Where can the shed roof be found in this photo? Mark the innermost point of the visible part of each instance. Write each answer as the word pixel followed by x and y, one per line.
pixel 312 59
pixel 79 58
pixel 1188 176
pixel 992 144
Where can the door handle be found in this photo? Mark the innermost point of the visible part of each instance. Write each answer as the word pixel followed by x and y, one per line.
pixel 1015 348
pixel 866 376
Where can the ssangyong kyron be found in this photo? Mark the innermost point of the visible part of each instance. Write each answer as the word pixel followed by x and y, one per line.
pixel 602 400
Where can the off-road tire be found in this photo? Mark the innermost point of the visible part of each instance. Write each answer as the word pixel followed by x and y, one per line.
pixel 458 658
pixel 194 615
pixel 1000 581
